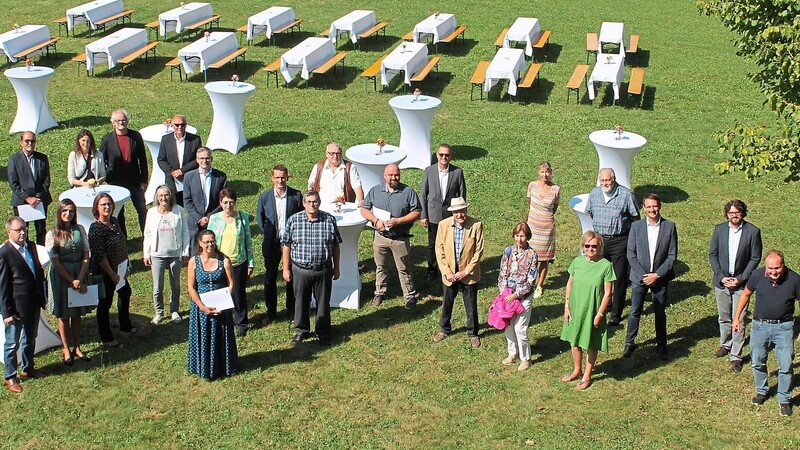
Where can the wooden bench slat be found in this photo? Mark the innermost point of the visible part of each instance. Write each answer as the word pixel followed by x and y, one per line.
pixel 374 69
pixel 242 29
pixel 289 26
pixel 61 20
pixel 122 15
pixel 501 39
pixel 274 66
pixel 479 76
pixel 456 33
pixel 633 45
pixel 375 29
pixel 591 42
pixel 544 36
pixel 153 24
pixel 325 33
pixel 228 58
pixel 530 75
pixel 137 53
pixel 204 22
pixel 409 36
pixel 578 75
pixel 423 73
pixel 330 63
pixel 635 86
pixel 81 57
pixel 43 45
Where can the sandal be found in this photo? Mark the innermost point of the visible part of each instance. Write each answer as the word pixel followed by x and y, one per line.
pixel 584 384
pixel 570 377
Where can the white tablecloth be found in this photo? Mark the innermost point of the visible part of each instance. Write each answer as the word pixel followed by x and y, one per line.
pixel 116 45
pixel 27 36
pixel 409 57
pixel 151 136
pixel 415 119
pixel 611 33
pixel 524 29
pixel 92 12
pixel 609 68
pixel 178 18
pixel 371 166
pixel 305 57
pixel 84 199
pixel 346 291
pixel 228 101
pixel 354 23
pixel 506 64
pixel 439 26
pixel 33 113
pixel 269 20
pixel 617 153
pixel 201 53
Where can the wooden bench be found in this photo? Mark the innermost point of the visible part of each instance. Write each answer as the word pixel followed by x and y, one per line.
pixel 62 22
pixel 39 47
pixel 273 68
pixel 375 30
pixel 478 77
pixel 234 56
pixel 409 36
pixel 423 73
pixel 153 26
pixel 330 64
pixel 372 73
pixel 116 17
pixel 501 39
pixel 459 31
pixel 574 83
pixel 633 44
pixel 325 33
pixel 531 76
pixel 175 64
pixel 288 27
pixel 133 56
pixel 80 58
pixel 205 24
pixel 636 84
pixel 591 45
pixel 544 41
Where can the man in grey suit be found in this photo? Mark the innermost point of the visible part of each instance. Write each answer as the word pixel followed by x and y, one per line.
pixel 177 155
pixel 652 250
pixel 275 206
pixel 734 253
pixel 441 183
pixel 201 191
pixel 29 178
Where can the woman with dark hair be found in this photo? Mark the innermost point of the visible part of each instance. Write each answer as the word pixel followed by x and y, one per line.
pixel 85 165
pixel 543 200
pixel 68 248
pixel 109 249
pixel 588 296
pixel 232 231
pixel 212 344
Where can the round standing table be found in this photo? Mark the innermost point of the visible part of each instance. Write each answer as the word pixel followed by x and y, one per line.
pixel 415 128
pixel 578 205
pixel 228 101
pixel 84 198
pixel 370 166
pixel 346 291
pixel 152 138
pixel 617 153
pixel 33 114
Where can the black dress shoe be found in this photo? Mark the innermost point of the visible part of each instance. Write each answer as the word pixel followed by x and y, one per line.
pixel 324 342
pixel 298 338
pixel 759 399
pixel 662 353
pixel 629 348
pixel 613 323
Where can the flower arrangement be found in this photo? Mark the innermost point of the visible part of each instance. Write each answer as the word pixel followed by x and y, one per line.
pixel 206 35
pixel 436 14
pixel 609 58
pixel 28 64
pixel 167 123
pixel 234 79
pixel 417 93
pixel 380 143
pixel 618 131
pixel 182 5
pixel 339 203
pixel 15 27
pixel 404 45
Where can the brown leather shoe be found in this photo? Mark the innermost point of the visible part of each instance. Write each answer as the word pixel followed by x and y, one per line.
pixel 439 337
pixel 474 342
pixel 14 386
pixel 722 351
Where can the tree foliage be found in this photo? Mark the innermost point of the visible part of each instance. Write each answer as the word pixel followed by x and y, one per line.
pixel 768 32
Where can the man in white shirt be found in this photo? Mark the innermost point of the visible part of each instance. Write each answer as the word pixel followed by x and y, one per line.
pixel 334 177
pixel 177 155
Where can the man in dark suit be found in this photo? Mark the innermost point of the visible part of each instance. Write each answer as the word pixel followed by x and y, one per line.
pixel 734 253
pixel 275 206
pixel 22 293
pixel 177 155
pixel 201 191
pixel 652 250
pixel 126 164
pixel 441 183
pixel 29 178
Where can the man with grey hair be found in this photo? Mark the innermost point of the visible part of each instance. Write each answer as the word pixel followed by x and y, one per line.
pixel 29 179
pixel 177 155
pixel 334 177
pixel 613 208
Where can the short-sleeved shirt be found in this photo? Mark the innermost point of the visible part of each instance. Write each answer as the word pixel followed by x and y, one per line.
pixel 106 242
pixel 774 302
pixel 311 241
pixel 612 217
pixel 400 202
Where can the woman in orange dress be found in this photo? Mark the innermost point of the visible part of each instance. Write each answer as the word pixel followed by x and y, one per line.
pixel 543 199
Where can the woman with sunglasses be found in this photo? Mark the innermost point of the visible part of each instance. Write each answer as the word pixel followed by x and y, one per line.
pixel 588 295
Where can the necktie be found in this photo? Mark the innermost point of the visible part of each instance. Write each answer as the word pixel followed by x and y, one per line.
pixel 27 256
pixel 33 169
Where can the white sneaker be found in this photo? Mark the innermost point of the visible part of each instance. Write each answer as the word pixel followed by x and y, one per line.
pixel 156 319
pixel 510 360
pixel 176 317
pixel 524 365
pixel 537 292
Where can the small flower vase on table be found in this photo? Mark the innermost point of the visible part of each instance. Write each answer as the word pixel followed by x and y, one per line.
pixel 206 35
pixel 417 93
pixel 338 204
pixel 380 142
pixel 234 80
pixel 618 132
pixel 28 64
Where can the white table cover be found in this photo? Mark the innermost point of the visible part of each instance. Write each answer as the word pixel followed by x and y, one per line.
pixel 610 68
pixel 617 153
pixel 305 57
pixel 439 26
pixel 578 205
pixel 228 101
pixel 506 64
pixel 354 23
pixel 524 29
pixel 611 33
pixel 346 291
pixel 408 57
pixel 370 166
pixel 116 45
pixel 201 53
pixel 27 36
pixel 178 18
pixel 33 113
pixel 415 119
pixel 269 20
pixel 151 136
pixel 92 12
pixel 84 199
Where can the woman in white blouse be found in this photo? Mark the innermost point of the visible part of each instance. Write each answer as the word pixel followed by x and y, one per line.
pixel 166 246
pixel 85 165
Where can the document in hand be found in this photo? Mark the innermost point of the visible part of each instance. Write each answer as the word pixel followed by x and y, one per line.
pixel 220 299
pixel 75 298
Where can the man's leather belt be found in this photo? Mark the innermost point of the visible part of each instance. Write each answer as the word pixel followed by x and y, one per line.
pixel 312 266
pixel 773 321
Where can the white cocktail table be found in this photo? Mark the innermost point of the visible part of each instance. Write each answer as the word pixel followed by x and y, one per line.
pixel 415 120
pixel 346 291
pixel 578 205
pixel 152 138
pixel 370 165
pixel 84 199
pixel 617 154
pixel 33 113
pixel 228 101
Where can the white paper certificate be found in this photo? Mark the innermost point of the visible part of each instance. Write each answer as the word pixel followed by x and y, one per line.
pixel 75 298
pixel 28 213
pixel 219 299
pixel 122 270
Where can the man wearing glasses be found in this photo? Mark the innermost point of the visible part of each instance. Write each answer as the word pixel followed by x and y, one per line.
pixel 177 154
pixel 734 254
pixel 22 297
pixel 441 183
pixel 332 179
pixel 29 178
pixel 201 193
pixel 126 164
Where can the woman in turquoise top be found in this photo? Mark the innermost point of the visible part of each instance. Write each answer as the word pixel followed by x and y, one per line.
pixel 232 230
pixel 587 300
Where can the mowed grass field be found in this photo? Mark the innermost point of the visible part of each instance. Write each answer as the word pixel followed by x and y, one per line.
pixel 383 384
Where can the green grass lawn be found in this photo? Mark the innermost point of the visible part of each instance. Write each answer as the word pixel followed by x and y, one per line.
pixel 383 384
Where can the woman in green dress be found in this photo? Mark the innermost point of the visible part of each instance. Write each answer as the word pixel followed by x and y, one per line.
pixel 587 301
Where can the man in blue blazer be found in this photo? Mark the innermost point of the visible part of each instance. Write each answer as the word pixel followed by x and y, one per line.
pixel 177 154
pixel 652 250
pixel 201 189
pixel 275 206
pixel 734 253
pixel 29 179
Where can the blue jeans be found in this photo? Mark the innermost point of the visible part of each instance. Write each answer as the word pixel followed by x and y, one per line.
pixel 28 328
pixel 762 336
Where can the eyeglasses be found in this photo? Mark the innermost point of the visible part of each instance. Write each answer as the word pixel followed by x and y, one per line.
pixel 178 124
pixel 592 246
pixel 19 230
pixel 313 202
pixel 444 155
pixel 734 213
pixel 339 154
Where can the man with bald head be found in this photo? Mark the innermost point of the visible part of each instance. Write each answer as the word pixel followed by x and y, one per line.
pixel 613 208
pixel 29 179
pixel 177 155
pixel 333 177
pixel 392 208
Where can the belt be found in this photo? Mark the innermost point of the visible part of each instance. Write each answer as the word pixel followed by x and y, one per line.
pixel 773 321
pixel 313 266
pixel 613 236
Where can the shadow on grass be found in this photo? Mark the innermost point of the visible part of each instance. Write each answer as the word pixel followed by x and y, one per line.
pixel 668 194
pixel 648 98
pixel 376 44
pixel 455 48
pixel 85 122
pixel 277 137
pixel 4 173
pixel 467 152
pixel 639 59
pixel 435 83
pixel 245 188
pixel 334 81
pixel 538 93
pixel 550 53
